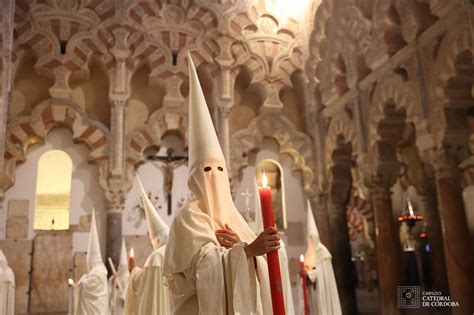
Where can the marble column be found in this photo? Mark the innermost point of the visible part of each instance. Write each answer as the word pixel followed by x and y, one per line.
pixel 456 240
pixel 387 247
pixel 341 254
pixel 433 226
pixel 224 132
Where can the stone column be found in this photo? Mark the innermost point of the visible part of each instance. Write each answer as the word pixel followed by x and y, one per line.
pixel 115 198
pixel 224 132
pixel 117 132
pixel 115 194
pixel 360 125
pixel 8 12
pixel 433 225
pixel 114 236
pixel 387 247
pixel 321 217
pixel 456 240
pixel 341 253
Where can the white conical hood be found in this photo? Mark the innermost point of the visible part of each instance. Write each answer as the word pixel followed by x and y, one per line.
pixel 203 141
pixel 312 229
pixel 122 269
pixel 257 225
pixel 93 252
pixel 158 230
pixel 3 260
pixel 316 252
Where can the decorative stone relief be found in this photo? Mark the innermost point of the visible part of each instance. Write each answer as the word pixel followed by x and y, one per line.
pixel 291 141
pixel 403 94
pixel 50 114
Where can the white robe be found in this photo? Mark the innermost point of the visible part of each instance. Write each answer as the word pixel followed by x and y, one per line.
pixel 147 292
pixel 214 280
pixel 7 291
pixel 285 279
pixel 90 293
pixel 323 298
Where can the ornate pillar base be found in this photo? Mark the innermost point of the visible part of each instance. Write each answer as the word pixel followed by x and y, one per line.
pixel 388 251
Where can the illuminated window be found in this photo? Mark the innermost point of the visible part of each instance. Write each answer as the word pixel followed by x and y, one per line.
pixel 53 191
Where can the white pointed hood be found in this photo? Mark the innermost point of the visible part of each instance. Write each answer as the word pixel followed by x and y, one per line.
pixel 3 260
pixel 203 141
pixel 316 252
pixel 257 225
pixel 208 179
pixel 122 269
pixel 93 252
pixel 311 224
pixel 158 230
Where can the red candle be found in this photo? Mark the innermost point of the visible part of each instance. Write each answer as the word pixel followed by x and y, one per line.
pixel 303 283
pixel 273 261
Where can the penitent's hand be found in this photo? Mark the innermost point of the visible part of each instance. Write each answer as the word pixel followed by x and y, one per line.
pixel 267 241
pixel 227 237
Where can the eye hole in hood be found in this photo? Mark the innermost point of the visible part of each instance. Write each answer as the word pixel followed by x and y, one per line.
pixel 207 169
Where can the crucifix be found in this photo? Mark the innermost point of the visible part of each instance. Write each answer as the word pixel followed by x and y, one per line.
pixel 168 164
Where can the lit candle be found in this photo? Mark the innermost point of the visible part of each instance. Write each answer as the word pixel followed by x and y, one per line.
pixel 273 262
pixel 303 283
pixel 131 260
pixel 72 285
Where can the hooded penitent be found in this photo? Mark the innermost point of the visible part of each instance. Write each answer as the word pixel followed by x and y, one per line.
pixel 91 291
pixel 316 251
pixel 7 287
pixel 158 230
pixel 208 180
pixel 146 292
pixel 93 253
pixel 118 284
pixel 203 277
pixel 323 298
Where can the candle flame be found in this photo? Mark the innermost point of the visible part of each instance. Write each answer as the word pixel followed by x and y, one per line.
pixel 302 258
pixel 264 180
pixel 70 281
pixel 132 252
